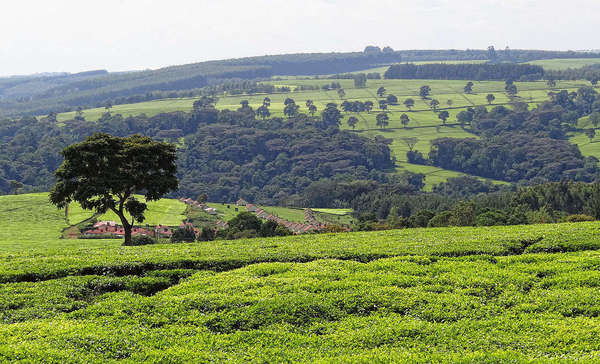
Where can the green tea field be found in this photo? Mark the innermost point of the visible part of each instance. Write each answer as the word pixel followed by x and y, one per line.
pixel 501 294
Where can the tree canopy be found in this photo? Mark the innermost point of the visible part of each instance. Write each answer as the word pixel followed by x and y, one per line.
pixel 104 173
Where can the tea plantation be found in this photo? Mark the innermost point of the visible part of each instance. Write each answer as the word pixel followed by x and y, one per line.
pixel 502 294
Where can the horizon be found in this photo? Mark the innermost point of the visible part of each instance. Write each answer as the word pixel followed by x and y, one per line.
pixel 120 36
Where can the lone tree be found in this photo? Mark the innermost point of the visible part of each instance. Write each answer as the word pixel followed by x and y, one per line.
pixel 341 93
pixel 381 91
pixel 443 116
pixel 352 121
pixel 468 87
pixel 409 103
pixel 392 99
pixel 490 98
pixel 104 172
pixel 383 105
pixel 424 91
pixel 434 104
pixel 404 119
pixel 382 120
pixel 368 106
pixel 263 112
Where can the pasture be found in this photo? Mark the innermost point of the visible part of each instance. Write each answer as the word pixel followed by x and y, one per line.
pixel 564 63
pixel 495 294
pixel 423 124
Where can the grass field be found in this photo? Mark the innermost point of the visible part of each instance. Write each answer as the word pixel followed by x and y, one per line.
pixel 163 212
pixel 561 64
pixel 501 294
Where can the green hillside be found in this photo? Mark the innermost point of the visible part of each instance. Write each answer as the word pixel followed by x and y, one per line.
pixel 562 64
pixel 497 294
pixel 424 123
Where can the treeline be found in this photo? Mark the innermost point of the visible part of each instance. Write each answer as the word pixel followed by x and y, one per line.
pixel 465 71
pixel 544 203
pixel 590 73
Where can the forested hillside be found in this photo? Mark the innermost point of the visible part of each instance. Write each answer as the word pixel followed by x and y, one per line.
pixel 226 154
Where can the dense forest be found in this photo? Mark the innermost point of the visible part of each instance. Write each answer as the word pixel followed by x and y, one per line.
pixel 465 71
pixel 520 145
pixel 466 201
pixel 225 154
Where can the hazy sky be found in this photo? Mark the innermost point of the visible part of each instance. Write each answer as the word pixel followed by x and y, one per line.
pixel 77 35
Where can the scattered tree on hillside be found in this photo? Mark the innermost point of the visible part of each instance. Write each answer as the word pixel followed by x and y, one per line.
pixel 341 93
pixel 346 106
pixel 263 112
pixel 449 102
pixel 331 116
pixel 551 83
pixel 107 105
pixel 424 91
pixel 267 101
pixel 382 120
pixel 409 103
pixel 391 99
pixel 368 106
pixel 382 104
pixel 204 102
pixel 381 91
pixel 443 116
pixel 594 80
pixel 312 109
pixel 465 116
pixel 291 109
pixel 468 87
pixel 490 98
pixel 288 101
pixel 245 104
pixel 104 172
pixel 360 80
pixel 511 90
pixel 590 133
pixel 404 119
pixel 352 121
pixel 434 104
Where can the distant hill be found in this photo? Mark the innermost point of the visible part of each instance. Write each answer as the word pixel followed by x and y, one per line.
pixel 45 93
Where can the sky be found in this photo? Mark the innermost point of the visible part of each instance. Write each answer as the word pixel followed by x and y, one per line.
pixel 119 35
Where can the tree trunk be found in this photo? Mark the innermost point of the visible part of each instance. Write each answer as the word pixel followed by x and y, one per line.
pixel 127 228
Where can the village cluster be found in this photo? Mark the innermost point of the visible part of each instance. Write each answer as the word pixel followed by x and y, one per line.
pixel 111 228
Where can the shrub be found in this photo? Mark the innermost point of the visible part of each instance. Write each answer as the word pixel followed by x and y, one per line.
pixel 207 234
pixel 579 218
pixel 183 234
pixel 440 220
pixel 142 240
